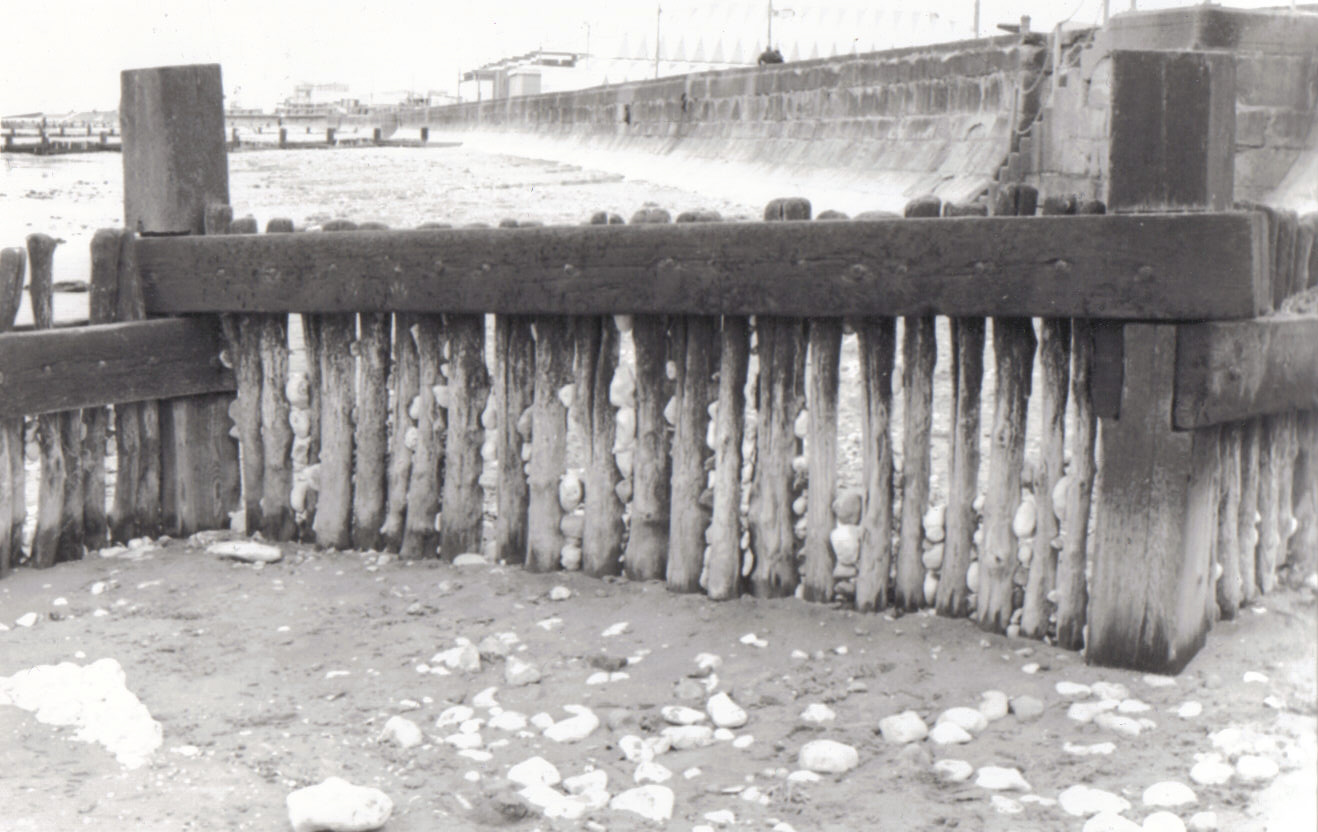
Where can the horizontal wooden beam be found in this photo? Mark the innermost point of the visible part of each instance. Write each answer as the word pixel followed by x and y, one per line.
pixel 1159 267
pixel 51 370
pixel 1230 370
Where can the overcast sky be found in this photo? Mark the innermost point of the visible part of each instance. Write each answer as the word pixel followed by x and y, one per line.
pixel 61 55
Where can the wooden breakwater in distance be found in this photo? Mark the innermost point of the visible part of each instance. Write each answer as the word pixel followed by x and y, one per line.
pixel 698 366
pixel 298 136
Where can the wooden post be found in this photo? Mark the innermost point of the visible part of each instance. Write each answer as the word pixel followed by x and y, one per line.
pixel 953 596
pixel 781 344
pixel 548 463
pixel 104 289
pixel 723 579
pixel 647 544
pixel 277 520
pixel 47 543
pixel 1151 590
pixel 333 523
pixel 420 537
pixel 919 352
pixel 468 388
pixel 175 166
pixel 514 387
pixel 13 505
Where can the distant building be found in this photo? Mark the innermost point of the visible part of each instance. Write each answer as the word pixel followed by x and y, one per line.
pixel 320 100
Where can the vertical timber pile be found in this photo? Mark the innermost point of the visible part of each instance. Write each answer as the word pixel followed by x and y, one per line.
pixel 513 389
pixel 1013 351
pixel 877 342
pixel 919 353
pixel 468 387
pixel 598 354
pixel 963 478
pixel 646 556
pixel 723 566
pixel 548 461
pixel 277 520
pixel 175 166
pixel 695 341
pixel 333 523
pixel 242 333
pixel 13 505
pixel 371 436
pixel 1054 358
pixel 825 357
pixel 781 344
pixel 103 295
pixel 1072 588
pixel 52 542
pixel 420 537
pixel 1151 592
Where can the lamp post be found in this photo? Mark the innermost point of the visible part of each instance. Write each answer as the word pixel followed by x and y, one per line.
pixel 658 13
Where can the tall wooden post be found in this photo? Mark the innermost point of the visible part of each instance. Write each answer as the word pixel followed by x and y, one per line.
pixel 1151 590
pixel 175 166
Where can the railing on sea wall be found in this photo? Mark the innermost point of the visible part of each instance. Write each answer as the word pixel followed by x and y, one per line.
pixel 661 398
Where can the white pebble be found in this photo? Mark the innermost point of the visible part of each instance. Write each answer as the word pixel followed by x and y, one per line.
pixel 1089 750
pixel 687 737
pixel 590 781
pixel 1189 710
pixel 724 712
pixel 1110 690
pixel 744 741
pixel 993 704
pixel 818 713
pixel 580 725
pixel 935 523
pixel 1022 525
pixel 1083 801
pixel 953 771
pixel 1110 822
pixel 1253 768
pixel 1124 725
pixel 753 640
pixel 1073 690
pixel 802 775
pixel 1168 793
pixel 616 629
pixel 682 715
pixel 402 732
pixel 904 727
pixel 999 778
pixel 336 804
pixel 1211 770
pixel 1254 677
pixel 1203 822
pixel 1005 805
pixel 651 772
pixel 535 771
pixel 651 802
pixel 1086 711
pixel 27 619
pixel 828 757
pixel 948 733
pixel 969 719
pixel 560 593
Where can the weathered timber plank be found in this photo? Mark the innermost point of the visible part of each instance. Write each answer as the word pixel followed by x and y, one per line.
pixel 420 537
pixel 1072 591
pixel 1055 358
pixel 646 555
pixel 128 418
pixel 1169 267
pixel 102 300
pixel 13 502
pixel 371 440
pixel 919 353
pixel 825 353
pixel 963 478
pixel 723 568
pixel 553 368
pixel 278 521
pixel 402 389
pixel 1150 580
pixel 1247 521
pixel 877 343
pixel 63 369
pixel 601 543
pixel 515 382
pixel 1228 523
pixel 47 541
pixel 468 388
pixel 689 517
pixel 1231 370
pixel 1303 552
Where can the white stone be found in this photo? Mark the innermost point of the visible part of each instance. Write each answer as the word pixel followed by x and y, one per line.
pixel 464 657
pixel 845 540
pixel 708 661
pixel 1254 677
pixel 560 593
pixel 476 754
pixel 1022 524
pixel 828 757
pixel 553 803
pixel 904 727
pixel 1110 690
pixel 1255 769
pixel 575 728
pixel 535 771
pixel 651 802
pixel 1073 690
pixel 518 673
pixel 1086 711
pixel 932 558
pixel 721 817
pixel 635 749
pixel 743 742
pixel 1124 725
pixel 470 559
pixel 753 640
pixel 1211 770
pixel 1168 793
pixel 953 771
pixel 570 491
pixel 1005 805
pixel 724 712
pixel 682 715
pixel 1203 822
pixel 1089 750
pixel 651 772
pixel 247 551
pixel 1133 706
pixel 1163 822
pixel 692 773
pixel 27 619
pixel 1110 822
pixel 338 806
pixel 724 734
pixel 968 718
pixel 993 704
pixel 818 713
pixel 616 629
pixel 1031 668
pixel 599 677
pixel 455 715
pixel 464 740
pixel 999 778
pixel 402 732
pixel 1153 680
pixel 686 737
pixel 594 780
pixel 802 775
pixel 934 523
pixel 1083 801
pixel 949 733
